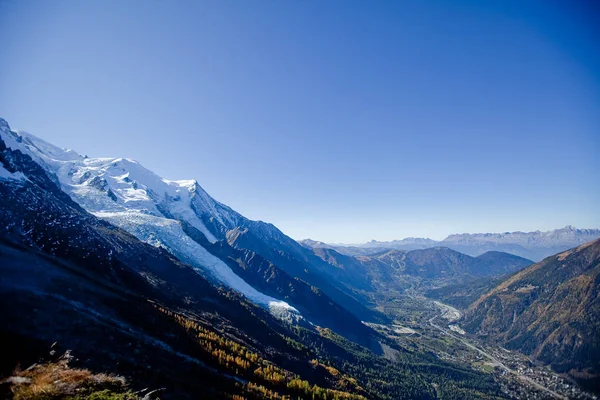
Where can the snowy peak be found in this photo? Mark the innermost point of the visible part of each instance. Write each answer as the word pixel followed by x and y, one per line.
pixel 117 184
pixel 155 210
pixel 50 150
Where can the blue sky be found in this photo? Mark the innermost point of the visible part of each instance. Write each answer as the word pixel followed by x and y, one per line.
pixel 342 121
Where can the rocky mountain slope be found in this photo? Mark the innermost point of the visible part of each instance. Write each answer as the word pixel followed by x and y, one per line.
pixel 548 310
pixel 268 241
pixel 182 218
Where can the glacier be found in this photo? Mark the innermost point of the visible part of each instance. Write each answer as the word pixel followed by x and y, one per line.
pixel 128 195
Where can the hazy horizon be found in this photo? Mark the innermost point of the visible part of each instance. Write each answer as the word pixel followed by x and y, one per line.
pixel 339 122
pixel 450 234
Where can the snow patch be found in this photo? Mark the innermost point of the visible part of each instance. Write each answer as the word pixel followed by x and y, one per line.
pixel 168 233
pixel 6 174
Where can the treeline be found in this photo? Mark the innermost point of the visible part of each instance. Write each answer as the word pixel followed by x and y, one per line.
pixel 410 376
pixel 328 366
pixel 256 375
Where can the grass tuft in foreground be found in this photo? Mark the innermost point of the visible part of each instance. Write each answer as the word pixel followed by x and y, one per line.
pixel 57 380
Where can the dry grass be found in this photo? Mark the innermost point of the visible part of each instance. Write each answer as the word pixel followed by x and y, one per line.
pixel 57 380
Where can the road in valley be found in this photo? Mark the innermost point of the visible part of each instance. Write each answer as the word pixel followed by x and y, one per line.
pixel 487 355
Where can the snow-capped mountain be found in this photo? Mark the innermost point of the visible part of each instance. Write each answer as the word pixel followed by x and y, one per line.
pixel 155 210
pixel 181 217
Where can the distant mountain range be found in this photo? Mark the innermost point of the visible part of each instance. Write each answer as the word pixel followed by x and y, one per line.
pixel 549 310
pixel 532 245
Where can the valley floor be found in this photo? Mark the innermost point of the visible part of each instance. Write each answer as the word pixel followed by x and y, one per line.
pixel 428 325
